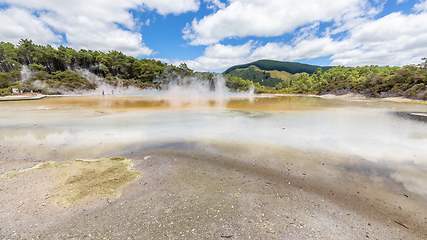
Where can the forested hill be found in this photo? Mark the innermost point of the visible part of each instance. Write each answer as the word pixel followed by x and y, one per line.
pixel 271 65
pixel 269 73
pixel 50 70
pixel 372 81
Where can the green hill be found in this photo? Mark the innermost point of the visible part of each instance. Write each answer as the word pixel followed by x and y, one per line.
pixel 271 65
pixel 270 73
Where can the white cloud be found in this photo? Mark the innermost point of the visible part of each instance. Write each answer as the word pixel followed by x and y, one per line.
pixel 389 28
pixel 218 57
pixel 262 18
pixel 356 39
pixel 17 24
pixel 106 11
pixel 421 6
pixel 306 32
pixel 89 24
pixel 274 51
pixel 84 33
pixel 395 39
pixel 215 4
pixel 109 9
pixel 306 49
pixel 227 51
pixel 357 16
pixel 347 31
pixel 165 7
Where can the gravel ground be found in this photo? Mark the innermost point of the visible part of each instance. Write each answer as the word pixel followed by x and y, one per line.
pixel 187 194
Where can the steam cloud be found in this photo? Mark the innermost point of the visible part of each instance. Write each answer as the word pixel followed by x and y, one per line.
pixel 178 91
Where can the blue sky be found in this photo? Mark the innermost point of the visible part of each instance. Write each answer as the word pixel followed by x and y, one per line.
pixel 212 35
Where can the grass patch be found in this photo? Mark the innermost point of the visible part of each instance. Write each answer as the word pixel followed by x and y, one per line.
pixel 280 74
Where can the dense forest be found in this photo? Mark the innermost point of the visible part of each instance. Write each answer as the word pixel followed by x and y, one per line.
pixel 256 75
pixel 50 70
pixel 290 67
pixel 372 81
pixel 263 71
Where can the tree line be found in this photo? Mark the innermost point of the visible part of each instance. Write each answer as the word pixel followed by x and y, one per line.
pixel 55 67
pixel 50 59
pixel 372 81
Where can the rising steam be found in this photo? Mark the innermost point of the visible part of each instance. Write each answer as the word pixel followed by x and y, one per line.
pixel 26 73
pixel 177 90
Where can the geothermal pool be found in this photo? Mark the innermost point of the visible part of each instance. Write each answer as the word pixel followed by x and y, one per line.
pixel 392 135
pixel 379 145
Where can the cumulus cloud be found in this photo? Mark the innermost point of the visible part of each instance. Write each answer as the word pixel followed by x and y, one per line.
pixel 348 32
pixel 355 37
pixel 306 49
pixel 215 4
pixel 20 24
pixel 165 7
pixel 395 39
pixel 421 6
pixel 218 56
pixel 84 33
pixel 261 18
pixel 88 24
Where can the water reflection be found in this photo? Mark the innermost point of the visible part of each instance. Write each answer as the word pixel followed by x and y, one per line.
pixel 417 116
pixel 86 127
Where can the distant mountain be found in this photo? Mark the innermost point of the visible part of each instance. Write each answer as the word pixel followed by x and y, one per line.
pixel 270 73
pixel 271 65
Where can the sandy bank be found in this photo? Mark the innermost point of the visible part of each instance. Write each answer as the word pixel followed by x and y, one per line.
pixel 22 97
